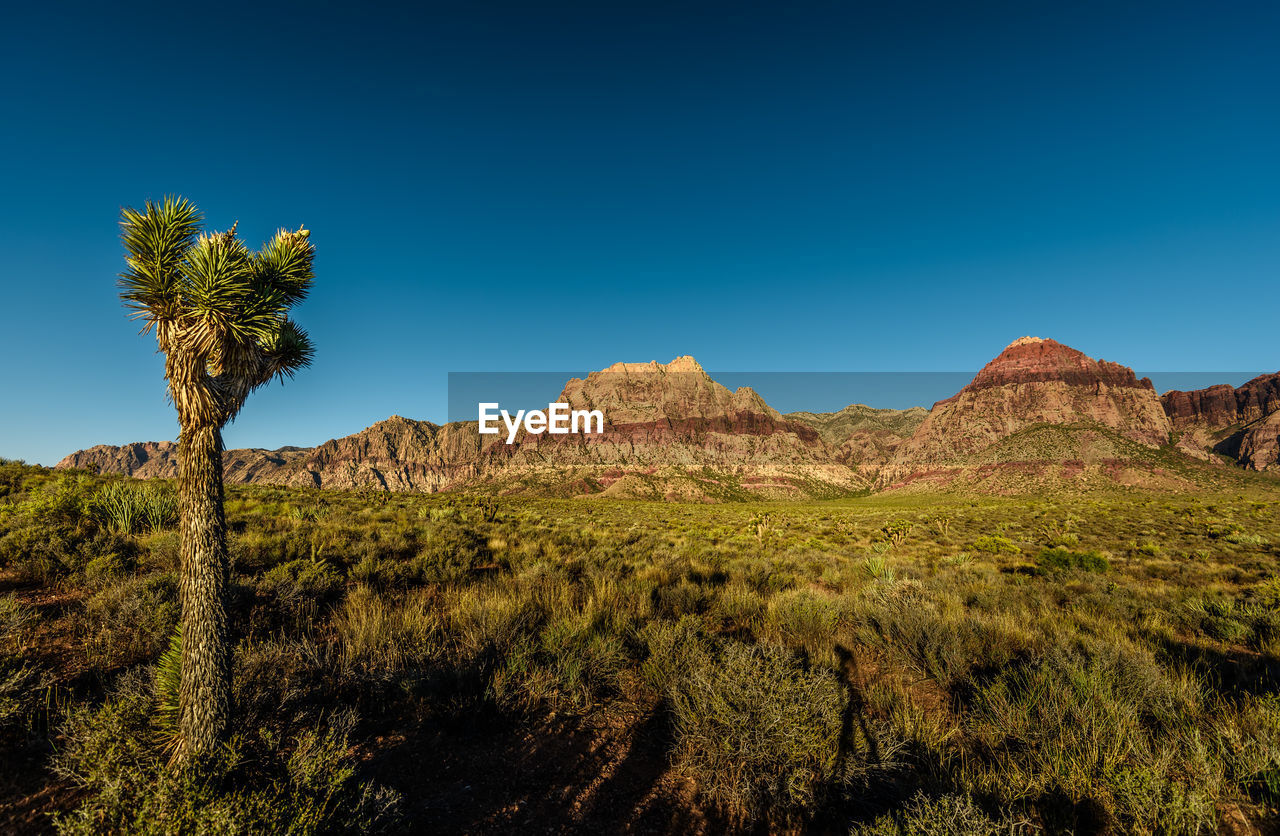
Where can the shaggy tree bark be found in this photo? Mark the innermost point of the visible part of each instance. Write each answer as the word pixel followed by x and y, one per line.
pixel 204 698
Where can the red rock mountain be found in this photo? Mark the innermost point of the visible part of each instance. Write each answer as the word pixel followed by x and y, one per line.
pixel 1033 383
pixel 1242 422
pixel 1039 413
pixel 1036 360
pixel 671 432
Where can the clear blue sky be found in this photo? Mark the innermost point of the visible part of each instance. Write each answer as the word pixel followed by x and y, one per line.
pixel 533 186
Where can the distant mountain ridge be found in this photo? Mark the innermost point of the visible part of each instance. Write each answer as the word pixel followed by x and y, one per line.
pixel 1242 422
pixel 1039 411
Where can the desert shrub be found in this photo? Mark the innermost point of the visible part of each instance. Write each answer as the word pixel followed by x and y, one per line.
pixel 102 543
pixel 486 621
pixel 37 552
pixel 1062 560
pixel 1267 592
pixel 1247 737
pixel 1101 724
pixel 995 544
pixel 683 598
pixel 1231 620
pixel 382 574
pixel 451 551
pixel 381 636
pixel 802 619
pixel 301 578
pixel 106 568
pixel 58 504
pixel 292 594
pixel 674 651
pixel 738 608
pixel 261 783
pixel 16 619
pixel 131 620
pixel 758 732
pixel 18 677
pixel 18 684
pixel 947 815
pixel 164 551
pixel 283 677
pixel 939 640
pixel 1218 529
pixel 574 662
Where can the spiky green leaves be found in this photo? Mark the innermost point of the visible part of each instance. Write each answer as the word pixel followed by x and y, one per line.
pixel 284 264
pixel 218 293
pixel 156 242
pixel 288 351
pixel 221 310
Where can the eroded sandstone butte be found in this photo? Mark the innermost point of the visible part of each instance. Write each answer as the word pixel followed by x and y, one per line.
pixel 1096 406
pixel 1038 381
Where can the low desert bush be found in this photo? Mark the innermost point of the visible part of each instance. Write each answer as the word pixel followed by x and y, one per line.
pixel 452 550
pixel 293 593
pixel 130 620
pixel 1058 559
pixel 803 620
pixel 18 677
pixel 758 733
pixel 1101 724
pixel 936 638
pixel 1231 620
pixel 303 783
pixel 946 815
pixel 995 544
pixel 738 609
pixel 1247 739
pixel 378 635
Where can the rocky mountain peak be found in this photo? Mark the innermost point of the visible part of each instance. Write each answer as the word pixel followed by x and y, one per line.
pixel 683 364
pixel 631 393
pixel 1034 381
pixel 1033 359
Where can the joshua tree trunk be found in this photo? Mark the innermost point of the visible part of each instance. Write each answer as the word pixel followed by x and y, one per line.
pixel 205 694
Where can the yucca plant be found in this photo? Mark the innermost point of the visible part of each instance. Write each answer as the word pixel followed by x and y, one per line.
pixel 220 315
pixel 168 685
pixel 117 506
pixel 159 507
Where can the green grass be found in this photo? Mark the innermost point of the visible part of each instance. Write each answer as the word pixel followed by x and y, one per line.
pixel 1105 662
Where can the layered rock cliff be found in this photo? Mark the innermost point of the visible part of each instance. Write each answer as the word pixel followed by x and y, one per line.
pixel 1038 415
pixel 1239 422
pixel 1036 381
pixel 670 431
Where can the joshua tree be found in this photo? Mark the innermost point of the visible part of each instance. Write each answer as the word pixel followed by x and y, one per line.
pixel 220 315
